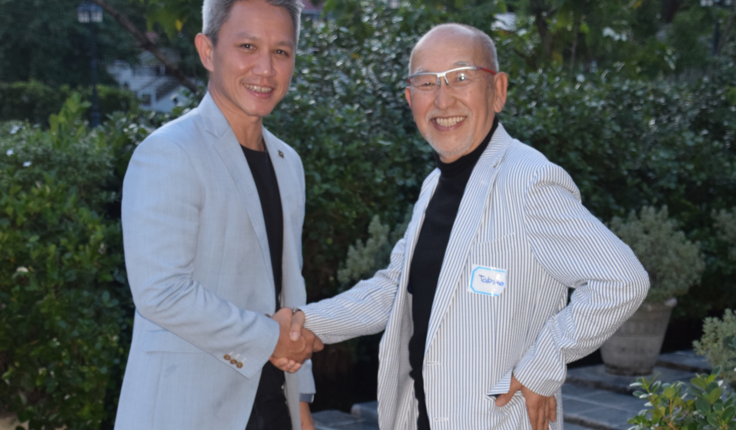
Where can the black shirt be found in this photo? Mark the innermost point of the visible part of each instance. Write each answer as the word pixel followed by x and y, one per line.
pixel 270 397
pixel 429 253
pixel 268 192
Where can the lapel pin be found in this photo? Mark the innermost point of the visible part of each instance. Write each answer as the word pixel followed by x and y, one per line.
pixel 281 154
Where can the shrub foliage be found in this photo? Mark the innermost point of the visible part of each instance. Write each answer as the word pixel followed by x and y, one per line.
pixel 674 263
pixel 703 404
pixel 718 344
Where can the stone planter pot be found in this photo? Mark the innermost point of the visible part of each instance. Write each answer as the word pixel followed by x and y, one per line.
pixel 634 348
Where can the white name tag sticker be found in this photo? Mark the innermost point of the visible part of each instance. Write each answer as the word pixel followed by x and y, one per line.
pixel 487 280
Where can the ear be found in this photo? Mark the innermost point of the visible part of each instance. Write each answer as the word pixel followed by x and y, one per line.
pixel 500 84
pixel 407 94
pixel 206 51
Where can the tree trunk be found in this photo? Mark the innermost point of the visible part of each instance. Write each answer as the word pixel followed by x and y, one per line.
pixel 149 46
pixel 726 34
pixel 575 31
pixel 669 10
pixel 540 20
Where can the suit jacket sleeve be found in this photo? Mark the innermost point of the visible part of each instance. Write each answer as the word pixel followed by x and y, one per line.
pixel 306 380
pixel 162 197
pixel 579 251
pixel 360 311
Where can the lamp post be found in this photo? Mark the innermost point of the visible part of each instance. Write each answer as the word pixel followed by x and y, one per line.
pixel 90 14
pixel 717 29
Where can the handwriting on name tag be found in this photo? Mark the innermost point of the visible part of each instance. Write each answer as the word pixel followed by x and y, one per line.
pixel 487 280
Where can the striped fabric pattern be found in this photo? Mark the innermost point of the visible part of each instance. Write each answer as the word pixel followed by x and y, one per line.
pixel 522 214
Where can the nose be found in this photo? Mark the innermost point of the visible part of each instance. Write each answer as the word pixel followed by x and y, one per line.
pixel 443 98
pixel 264 65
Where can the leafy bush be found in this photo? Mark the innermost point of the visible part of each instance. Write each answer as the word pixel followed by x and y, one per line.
pixel 725 223
pixel 718 344
pixel 35 102
pixel 365 258
pixel 674 263
pixel 703 404
pixel 66 308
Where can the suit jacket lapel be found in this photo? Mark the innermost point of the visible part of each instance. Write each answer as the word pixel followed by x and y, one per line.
pixel 472 206
pixel 289 193
pixel 227 146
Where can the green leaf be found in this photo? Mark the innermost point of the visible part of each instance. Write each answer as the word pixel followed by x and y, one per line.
pixel 703 406
pixel 669 392
pixel 729 414
pixel 713 420
pixel 714 395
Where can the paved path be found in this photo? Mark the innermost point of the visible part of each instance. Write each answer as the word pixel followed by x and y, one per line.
pixel 592 399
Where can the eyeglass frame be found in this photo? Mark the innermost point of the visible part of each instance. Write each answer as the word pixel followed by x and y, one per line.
pixel 441 75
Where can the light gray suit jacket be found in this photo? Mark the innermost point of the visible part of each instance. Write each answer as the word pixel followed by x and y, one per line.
pixel 199 267
pixel 522 214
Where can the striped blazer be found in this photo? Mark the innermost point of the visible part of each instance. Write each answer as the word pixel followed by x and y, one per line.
pixel 522 214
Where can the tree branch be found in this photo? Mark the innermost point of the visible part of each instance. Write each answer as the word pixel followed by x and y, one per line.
pixel 149 46
pixel 726 32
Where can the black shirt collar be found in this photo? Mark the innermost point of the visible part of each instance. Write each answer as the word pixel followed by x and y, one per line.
pixel 467 161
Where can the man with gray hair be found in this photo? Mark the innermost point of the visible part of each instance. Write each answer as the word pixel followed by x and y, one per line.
pixel 212 212
pixel 474 303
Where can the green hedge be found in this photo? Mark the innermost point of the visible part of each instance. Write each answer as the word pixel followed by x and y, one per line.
pixel 34 101
pixel 66 310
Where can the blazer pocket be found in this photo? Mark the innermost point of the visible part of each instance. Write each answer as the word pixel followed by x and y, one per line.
pixel 166 341
pixel 487 249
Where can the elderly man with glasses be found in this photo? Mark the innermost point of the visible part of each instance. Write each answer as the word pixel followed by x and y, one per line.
pixel 474 304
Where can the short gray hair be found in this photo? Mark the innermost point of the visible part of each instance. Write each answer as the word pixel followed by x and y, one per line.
pixel 488 46
pixel 216 12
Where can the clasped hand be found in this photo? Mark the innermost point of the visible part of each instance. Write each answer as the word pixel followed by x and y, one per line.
pixel 296 344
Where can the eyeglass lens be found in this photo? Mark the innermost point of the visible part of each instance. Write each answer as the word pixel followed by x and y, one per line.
pixel 458 78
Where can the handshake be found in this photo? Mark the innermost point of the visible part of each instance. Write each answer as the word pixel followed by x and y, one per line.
pixel 295 344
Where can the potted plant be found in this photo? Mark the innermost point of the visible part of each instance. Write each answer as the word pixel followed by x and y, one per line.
pixel 674 264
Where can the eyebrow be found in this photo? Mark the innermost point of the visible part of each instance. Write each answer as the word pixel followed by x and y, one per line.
pixel 457 63
pixel 245 35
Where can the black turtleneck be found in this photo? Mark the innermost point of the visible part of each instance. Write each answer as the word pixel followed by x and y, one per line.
pixel 429 253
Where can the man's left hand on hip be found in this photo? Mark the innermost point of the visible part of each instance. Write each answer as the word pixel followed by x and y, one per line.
pixel 541 409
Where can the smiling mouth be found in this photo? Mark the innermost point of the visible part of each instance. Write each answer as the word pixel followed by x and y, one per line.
pixel 448 122
pixel 258 88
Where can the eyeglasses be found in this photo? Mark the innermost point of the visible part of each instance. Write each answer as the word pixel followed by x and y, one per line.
pixel 455 78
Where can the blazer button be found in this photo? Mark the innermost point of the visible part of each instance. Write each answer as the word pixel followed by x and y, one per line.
pixel 233 361
pixel 227 357
pixel 239 365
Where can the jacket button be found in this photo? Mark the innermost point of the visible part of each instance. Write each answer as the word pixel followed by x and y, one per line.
pixel 233 361
pixel 239 365
pixel 227 357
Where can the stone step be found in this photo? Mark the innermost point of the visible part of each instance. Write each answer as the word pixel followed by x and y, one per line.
pixel 337 420
pixel 686 361
pixel 594 408
pixel 367 410
pixel 596 377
